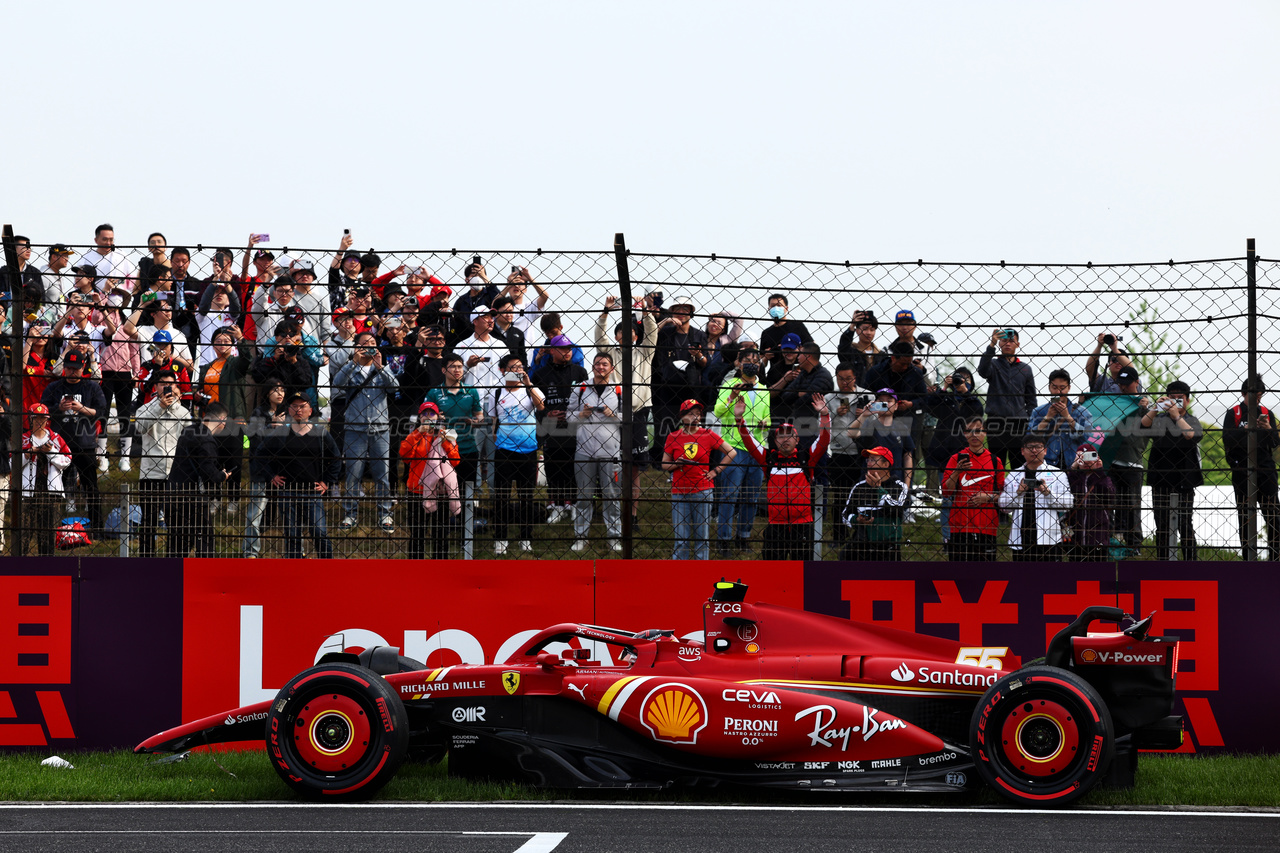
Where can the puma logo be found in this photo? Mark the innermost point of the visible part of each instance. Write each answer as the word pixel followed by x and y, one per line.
pixel 581 692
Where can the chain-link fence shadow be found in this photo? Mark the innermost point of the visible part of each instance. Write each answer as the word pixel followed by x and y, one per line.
pixel 276 402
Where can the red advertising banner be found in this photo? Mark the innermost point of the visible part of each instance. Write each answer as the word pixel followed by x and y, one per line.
pixel 1224 690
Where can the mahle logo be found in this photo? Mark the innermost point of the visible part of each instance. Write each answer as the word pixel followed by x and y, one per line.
pixel 903 673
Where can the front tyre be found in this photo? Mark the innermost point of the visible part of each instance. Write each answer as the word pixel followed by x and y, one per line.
pixel 1042 736
pixel 337 732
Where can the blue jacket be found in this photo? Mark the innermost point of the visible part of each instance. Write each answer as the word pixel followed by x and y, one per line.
pixel 367 408
pixel 1062 440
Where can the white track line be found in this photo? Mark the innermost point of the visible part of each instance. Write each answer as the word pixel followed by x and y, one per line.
pixel 648 807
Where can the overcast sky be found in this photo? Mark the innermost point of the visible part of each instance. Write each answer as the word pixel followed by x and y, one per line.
pixel 973 131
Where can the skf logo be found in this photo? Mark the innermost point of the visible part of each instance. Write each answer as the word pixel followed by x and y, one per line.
pixel 674 713
pixel 903 673
pixel 511 682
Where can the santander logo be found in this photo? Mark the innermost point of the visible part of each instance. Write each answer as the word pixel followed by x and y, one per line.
pixel 903 673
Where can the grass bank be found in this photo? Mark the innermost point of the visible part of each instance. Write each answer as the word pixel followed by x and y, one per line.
pixel 121 776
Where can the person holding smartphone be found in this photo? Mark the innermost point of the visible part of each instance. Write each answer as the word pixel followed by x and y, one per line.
pixel 1093 494
pixel 1035 493
pixel 158 423
pixel 972 481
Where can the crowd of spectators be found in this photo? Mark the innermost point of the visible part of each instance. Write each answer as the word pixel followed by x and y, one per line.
pixel 363 389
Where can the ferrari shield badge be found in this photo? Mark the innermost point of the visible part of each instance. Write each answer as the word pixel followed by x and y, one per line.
pixel 691 450
pixel 511 682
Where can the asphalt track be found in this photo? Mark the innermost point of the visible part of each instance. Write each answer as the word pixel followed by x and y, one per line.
pixel 604 828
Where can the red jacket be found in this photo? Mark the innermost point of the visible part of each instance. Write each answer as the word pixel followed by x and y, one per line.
pixel 414 450
pixel 986 476
pixel 789 490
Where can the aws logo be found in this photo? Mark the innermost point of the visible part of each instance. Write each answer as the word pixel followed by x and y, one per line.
pixel 674 713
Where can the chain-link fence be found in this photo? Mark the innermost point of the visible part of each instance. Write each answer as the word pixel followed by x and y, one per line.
pixel 476 404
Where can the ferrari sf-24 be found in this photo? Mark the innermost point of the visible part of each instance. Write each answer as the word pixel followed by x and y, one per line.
pixel 770 697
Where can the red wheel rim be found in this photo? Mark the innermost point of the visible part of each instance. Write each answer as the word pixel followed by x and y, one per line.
pixel 1040 738
pixel 331 733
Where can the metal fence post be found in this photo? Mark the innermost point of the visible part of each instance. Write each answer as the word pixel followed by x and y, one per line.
pixel 1249 536
pixel 16 403
pixel 628 413
pixel 125 531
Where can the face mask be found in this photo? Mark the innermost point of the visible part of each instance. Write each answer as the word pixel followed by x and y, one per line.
pixel 750 370
pixel 777 312
pixel 511 377
pixel 475 281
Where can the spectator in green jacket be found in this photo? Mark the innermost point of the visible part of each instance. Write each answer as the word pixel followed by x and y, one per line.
pixel 739 485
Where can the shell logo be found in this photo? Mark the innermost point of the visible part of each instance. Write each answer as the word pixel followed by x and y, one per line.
pixel 1088 656
pixel 674 713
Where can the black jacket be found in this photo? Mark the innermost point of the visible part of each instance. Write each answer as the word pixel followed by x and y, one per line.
pixel 194 458
pixel 80 432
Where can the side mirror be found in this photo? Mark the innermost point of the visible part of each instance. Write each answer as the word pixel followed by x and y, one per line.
pixel 721 644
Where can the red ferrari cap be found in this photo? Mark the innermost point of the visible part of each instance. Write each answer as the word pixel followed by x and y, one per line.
pixel 429 407
pixel 38 409
pixel 691 404
pixel 442 288
pixel 879 451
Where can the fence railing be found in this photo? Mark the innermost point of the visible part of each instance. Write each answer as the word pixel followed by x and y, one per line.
pixel 321 449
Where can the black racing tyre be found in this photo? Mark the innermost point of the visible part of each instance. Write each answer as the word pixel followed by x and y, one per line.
pixel 1042 736
pixel 337 732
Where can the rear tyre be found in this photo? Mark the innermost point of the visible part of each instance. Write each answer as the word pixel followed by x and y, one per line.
pixel 1042 736
pixel 337 732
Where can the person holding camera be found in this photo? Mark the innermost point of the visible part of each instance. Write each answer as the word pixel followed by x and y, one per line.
pixel 283 359
pixel 158 422
pixel 78 409
pixel 740 483
pixel 344 272
pixel 595 410
pixel 1117 360
pixel 972 480
pixel 876 425
pixel 952 406
pixel 1173 469
pixel 1036 494
pixel 1063 425
pixel 1093 496
pixel 45 455
pixel 857 346
pixel 875 510
pixel 513 408
pixel 1011 394
pixel 431 452
pixel 365 382
pixel 1235 442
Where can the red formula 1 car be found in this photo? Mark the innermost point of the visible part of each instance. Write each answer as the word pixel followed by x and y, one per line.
pixel 772 697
